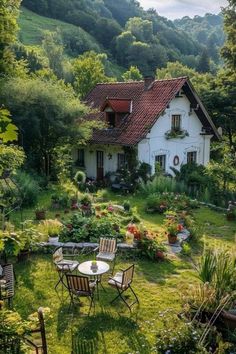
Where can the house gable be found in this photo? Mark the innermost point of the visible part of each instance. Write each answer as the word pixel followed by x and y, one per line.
pixel 147 107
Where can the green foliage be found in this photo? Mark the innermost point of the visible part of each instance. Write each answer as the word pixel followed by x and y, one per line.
pixel 53 48
pixel 8 131
pixel 169 201
pixel 88 71
pixel 28 188
pixel 204 62
pixel 228 51
pixel 179 339
pixel 161 184
pixel 149 247
pixel 11 158
pixel 9 14
pixel 141 29
pixel 126 205
pixel 81 228
pixel 47 114
pixel 80 177
pixel 75 39
pixel 133 74
pixel 218 269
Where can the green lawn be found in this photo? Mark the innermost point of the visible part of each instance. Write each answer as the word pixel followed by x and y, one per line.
pixel 112 329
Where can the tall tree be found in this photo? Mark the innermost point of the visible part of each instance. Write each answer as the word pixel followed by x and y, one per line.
pixel 133 74
pixel 204 62
pixel 9 11
pixel 88 71
pixel 53 48
pixel 229 49
pixel 47 114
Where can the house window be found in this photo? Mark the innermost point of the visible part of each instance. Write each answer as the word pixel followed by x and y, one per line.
pixel 176 122
pixel 80 159
pixel 121 161
pixel 111 119
pixel 161 161
pixel 192 157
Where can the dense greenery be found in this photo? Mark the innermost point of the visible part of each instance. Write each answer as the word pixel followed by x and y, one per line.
pixel 124 29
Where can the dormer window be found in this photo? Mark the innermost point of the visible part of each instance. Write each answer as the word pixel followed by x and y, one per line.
pixel 111 119
pixel 176 122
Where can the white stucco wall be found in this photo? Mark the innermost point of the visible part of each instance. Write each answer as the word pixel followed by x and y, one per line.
pixel 110 164
pixel 157 144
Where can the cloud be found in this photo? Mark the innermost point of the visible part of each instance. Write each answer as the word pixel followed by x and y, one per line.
pixel 180 8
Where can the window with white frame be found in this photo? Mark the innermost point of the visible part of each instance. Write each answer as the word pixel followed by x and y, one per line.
pixel 161 161
pixel 121 161
pixel 176 122
pixel 192 157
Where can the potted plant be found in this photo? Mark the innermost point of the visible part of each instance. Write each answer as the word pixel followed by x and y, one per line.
pixel 172 229
pixel 52 229
pixel 40 213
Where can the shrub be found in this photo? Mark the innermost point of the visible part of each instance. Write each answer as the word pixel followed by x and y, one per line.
pixel 161 184
pixel 29 188
pixel 126 205
pixel 50 227
pixel 169 201
pixel 80 177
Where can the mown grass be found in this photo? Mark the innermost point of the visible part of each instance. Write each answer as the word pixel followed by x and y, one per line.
pixel 111 328
pixel 157 285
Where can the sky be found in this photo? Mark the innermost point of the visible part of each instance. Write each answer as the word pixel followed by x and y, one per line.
pixel 173 9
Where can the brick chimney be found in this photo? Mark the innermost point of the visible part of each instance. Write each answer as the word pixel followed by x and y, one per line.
pixel 148 82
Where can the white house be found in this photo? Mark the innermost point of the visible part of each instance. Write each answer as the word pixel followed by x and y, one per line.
pixel 164 120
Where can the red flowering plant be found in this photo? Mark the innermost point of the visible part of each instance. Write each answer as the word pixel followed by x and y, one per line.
pixel 150 248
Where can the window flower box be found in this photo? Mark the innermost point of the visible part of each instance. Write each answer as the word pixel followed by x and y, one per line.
pixel 176 134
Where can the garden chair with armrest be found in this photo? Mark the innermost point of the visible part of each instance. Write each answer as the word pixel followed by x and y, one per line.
pixel 107 250
pixel 122 282
pixel 38 343
pixel 78 286
pixel 63 265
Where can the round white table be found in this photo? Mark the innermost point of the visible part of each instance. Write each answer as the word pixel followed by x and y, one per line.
pixel 86 268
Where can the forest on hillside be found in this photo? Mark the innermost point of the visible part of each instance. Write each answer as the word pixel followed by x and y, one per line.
pixel 130 35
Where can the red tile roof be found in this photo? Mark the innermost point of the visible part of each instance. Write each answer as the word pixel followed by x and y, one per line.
pixel 146 108
pixel 121 105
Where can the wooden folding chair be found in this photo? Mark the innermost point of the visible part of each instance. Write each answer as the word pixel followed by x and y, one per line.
pixel 107 250
pixel 122 282
pixel 81 286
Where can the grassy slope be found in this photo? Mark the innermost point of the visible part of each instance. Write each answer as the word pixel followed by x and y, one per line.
pixel 32 25
pixel 159 287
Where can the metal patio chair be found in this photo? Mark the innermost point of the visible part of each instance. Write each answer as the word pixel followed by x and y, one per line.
pixel 80 286
pixel 122 282
pixel 37 338
pixel 107 250
pixel 63 266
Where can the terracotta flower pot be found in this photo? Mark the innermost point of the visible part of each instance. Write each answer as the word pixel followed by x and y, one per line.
pixel 160 255
pixel 172 239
